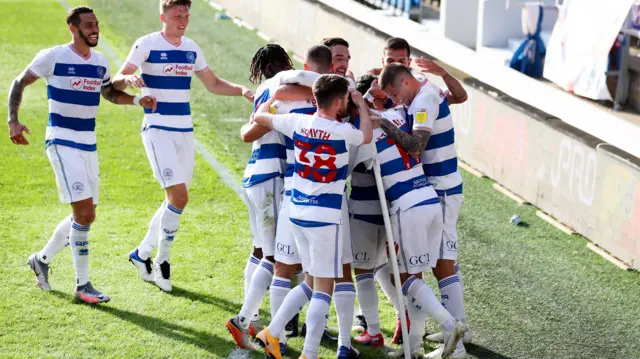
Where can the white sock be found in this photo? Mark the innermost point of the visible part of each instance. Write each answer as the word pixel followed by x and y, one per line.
pixel 368 300
pixel 316 322
pixel 251 266
pixel 79 239
pixel 418 319
pixel 451 295
pixel 456 268
pixel 150 240
pixel 383 276
pixel 421 296
pixel 280 287
pixel 169 223
pixel 292 304
pixel 58 241
pixel 259 285
pixel 344 297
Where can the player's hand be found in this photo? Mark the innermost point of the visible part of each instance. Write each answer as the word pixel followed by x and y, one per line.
pixel 248 94
pixel 149 102
pixel 356 97
pixel 376 91
pixel 16 130
pixel 134 81
pixel 431 67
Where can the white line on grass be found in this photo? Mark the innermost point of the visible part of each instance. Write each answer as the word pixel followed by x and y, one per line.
pixel 224 173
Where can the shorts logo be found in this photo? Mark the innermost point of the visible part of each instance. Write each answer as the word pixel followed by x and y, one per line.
pixel 191 57
pixel 167 173
pixel 77 188
pixel 451 245
pixel 362 257
pixel 76 83
pixel 421 115
pixel 100 71
pixel 419 260
pixel 169 69
pixel 284 249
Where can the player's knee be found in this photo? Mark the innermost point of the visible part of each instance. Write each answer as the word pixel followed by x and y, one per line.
pixel 178 197
pixel 444 268
pixel 257 252
pixel 84 216
pixel 284 270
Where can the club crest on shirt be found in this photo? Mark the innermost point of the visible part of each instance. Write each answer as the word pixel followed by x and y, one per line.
pixel 100 71
pixel 421 115
pixel 191 57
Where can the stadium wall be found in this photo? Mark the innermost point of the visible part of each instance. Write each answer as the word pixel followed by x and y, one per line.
pixel 587 184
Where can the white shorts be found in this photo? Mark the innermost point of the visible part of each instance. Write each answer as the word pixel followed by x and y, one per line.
pixel 171 155
pixel 450 211
pixel 418 232
pixel 286 250
pixel 77 173
pixel 320 249
pixel 369 243
pixel 263 201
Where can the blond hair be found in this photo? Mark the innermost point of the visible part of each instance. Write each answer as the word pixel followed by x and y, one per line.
pixel 168 4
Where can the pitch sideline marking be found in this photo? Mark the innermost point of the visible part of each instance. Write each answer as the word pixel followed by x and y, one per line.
pixel 223 171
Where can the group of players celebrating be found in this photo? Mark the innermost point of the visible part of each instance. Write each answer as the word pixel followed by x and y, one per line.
pixel 312 130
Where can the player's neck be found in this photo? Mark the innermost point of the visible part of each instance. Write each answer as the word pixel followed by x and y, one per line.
pixel 327 115
pixel 173 40
pixel 80 48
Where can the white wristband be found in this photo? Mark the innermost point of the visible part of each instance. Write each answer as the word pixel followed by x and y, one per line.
pixel 136 100
pixel 369 97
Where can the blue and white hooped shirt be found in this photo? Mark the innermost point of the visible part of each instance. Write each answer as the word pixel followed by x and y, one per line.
pixel 74 83
pixel 430 111
pixel 321 167
pixel 166 71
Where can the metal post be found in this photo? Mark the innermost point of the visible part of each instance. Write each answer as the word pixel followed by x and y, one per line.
pixel 393 259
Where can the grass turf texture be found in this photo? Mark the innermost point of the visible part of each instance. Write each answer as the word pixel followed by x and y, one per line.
pixel 531 292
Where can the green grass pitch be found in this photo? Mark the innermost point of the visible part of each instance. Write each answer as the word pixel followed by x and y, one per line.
pixel 531 292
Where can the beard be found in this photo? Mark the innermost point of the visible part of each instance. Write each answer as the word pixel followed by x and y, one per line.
pixel 86 39
pixel 344 111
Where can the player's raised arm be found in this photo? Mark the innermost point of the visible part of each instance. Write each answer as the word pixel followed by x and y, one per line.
pixel 457 93
pixel 365 121
pixel 16 90
pixel 218 86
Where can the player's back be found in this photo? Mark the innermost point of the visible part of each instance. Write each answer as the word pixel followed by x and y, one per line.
pixel 283 107
pixel 74 83
pixel 321 168
pixel 403 177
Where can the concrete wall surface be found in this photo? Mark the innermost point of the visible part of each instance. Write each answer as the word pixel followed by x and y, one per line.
pixel 589 185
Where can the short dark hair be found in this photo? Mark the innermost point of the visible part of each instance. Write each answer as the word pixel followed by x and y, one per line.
pixel 73 16
pixel 327 88
pixel 168 4
pixel 397 43
pixel 391 73
pixel 364 83
pixel 334 41
pixel 321 56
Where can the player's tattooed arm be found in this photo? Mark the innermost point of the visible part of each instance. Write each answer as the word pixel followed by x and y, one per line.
pixel 415 143
pixel 16 129
pixel 23 80
pixel 118 97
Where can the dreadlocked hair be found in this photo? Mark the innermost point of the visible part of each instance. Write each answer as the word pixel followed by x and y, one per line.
pixel 270 54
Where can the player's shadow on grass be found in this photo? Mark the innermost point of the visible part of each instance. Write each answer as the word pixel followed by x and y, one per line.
pixel 203 340
pixel 482 352
pixel 231 307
